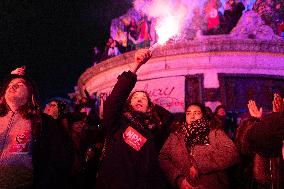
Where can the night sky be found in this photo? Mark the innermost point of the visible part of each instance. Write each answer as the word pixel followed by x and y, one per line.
pixel 54 39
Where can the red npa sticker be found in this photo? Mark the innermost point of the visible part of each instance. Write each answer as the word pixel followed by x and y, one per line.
pixel 21 143
pixel 133 138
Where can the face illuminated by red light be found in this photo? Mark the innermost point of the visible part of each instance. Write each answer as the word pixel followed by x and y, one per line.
pixel 51 109
pixel 139 102
pixel 221 112
pixel 17 91
pixel 193 113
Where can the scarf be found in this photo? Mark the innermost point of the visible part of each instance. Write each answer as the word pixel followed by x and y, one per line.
pixel 149 120
pixel 196 133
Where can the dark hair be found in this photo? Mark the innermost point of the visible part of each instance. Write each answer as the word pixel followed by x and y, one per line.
pixel 128 105
pixel 73 117
pixel 31 108
pixel 209 112
pixel 61 106
pixel 201 106
pixel 214 124
pixel 218 108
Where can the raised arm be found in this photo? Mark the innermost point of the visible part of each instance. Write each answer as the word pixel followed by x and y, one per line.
pixel 141 57
pixel 266 135
pixel 19 71
pixel 114 103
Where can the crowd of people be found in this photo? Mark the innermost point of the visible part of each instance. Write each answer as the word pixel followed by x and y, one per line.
pixel 134 143
pixel 136 30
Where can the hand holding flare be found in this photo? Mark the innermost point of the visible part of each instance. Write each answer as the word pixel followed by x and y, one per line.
pixel 141 57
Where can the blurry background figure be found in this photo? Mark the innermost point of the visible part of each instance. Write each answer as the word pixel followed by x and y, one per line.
pixel 270 11
pixel 197 25
pixel 144 37
pixel 87 136
pixel 211 10
pixel 209 112
pixel 96 55
pixel 87 143
pixel 121 40
pixel 51 109
pixel 113 50
pixel 105 53
pixel 55 108
pixel 281 29
pixel 152 31
pixel 132 35
pixel 227 123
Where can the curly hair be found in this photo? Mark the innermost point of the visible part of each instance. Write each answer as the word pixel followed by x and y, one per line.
pixel 128 107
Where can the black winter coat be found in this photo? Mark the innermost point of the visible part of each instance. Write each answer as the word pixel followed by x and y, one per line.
pixel 266 137
pixel 52 155
pixel 123 167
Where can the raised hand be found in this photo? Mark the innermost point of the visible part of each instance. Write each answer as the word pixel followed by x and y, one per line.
pixel 277 103
pixel 19 71
pixel 185 185
pixel 193 173
pixel 141 57
pixel 253 109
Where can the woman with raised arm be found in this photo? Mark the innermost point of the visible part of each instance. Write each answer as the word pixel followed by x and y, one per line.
pixel 136 130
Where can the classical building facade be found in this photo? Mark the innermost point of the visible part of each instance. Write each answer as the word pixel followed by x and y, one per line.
pixel 213 70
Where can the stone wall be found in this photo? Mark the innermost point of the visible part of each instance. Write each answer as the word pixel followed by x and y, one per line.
pixel 166 74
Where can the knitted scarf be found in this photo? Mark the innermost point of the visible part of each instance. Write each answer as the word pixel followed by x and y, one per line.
pixel 196 133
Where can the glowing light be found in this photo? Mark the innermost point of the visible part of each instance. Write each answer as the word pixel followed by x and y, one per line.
pixel 170 15
pixel 167 28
